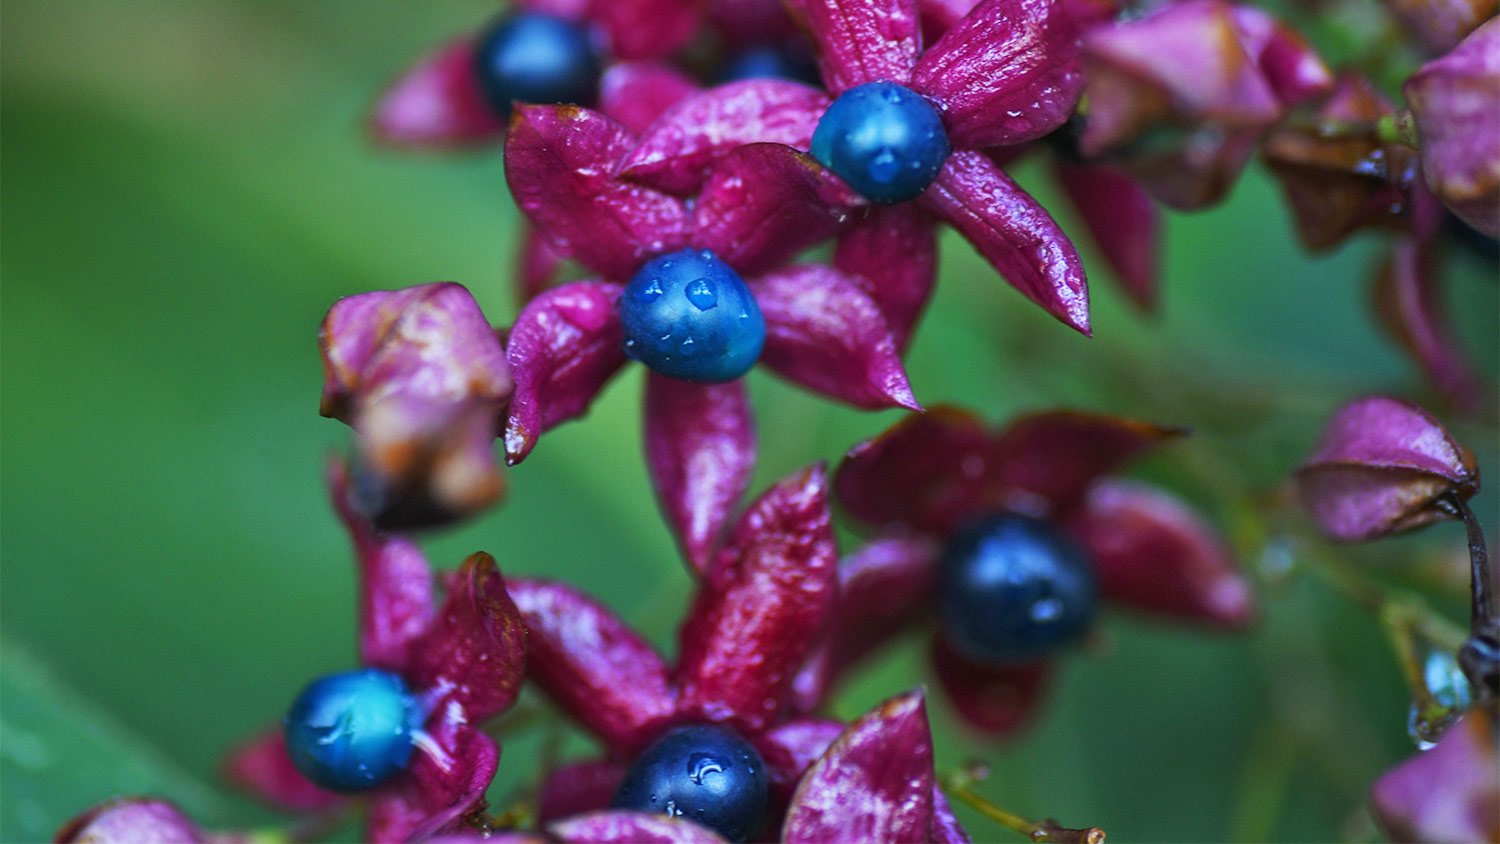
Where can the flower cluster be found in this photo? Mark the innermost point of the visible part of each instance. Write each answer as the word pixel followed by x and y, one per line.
pixel 740 182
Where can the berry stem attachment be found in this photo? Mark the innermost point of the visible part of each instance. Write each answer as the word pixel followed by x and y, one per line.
pixel 957 784
pixel 1480 655
pixel 1398 128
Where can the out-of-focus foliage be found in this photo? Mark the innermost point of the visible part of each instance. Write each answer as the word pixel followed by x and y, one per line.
pixel 186 190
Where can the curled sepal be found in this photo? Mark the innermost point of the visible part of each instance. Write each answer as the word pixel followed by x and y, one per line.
pixel 564 347
pixel 262 768
pixel 450 772
pixel 437 104
pixel 874 784
pixel 1453 101
pixel 761 607
pixel 131 820
pixel 395 582
pixel 861 41
pixel 677 150
pixel 475 652
pixel 700 448
pixel 1382 467
pixel 1448 793
pixel 618 827
pixel 1007 73
pixel 592 664
pixel 824 332
pixel 997 700
pixel 1155 555
pixel 1014 233
pixel 421 377
pixel 764 203
pixel 638 93
pixel 560 163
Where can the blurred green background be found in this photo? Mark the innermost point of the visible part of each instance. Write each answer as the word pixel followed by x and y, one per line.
pixel 186 190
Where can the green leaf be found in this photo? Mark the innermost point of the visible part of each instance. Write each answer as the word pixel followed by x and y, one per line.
pixel 61 755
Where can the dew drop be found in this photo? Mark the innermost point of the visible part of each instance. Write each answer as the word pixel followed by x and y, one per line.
pixel 703 294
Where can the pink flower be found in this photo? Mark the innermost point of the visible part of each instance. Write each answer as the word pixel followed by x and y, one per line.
pixel 1007 73
pixel 925 479
pixel 756 614
pixel 760 206
pixel 464 661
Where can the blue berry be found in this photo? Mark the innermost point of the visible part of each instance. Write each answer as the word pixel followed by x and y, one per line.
pixel 352 731
pixel 708 775
pixel 885 140
pixel 689 316
pixel 770 62
pixel 535 58
pixel 1012 589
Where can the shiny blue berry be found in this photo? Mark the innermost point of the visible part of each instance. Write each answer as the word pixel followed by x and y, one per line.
pixel 708 775
pixel 690 316
pixel 1012 588
pixel 352 731
pixel 885 140
pixel 535 58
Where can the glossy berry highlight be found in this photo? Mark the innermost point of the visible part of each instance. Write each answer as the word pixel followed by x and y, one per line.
pixel 535 58
pixel 690 316
pixel 352 731
pixel 1013 589
pixel 707 775
pixel 883 139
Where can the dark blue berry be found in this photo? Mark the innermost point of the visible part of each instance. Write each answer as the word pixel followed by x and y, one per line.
pixel 690 316
pixel 708 775
pixel 535 58
pixel 352 731
pixel 768 61
pixel 1012 589
pixel 885 140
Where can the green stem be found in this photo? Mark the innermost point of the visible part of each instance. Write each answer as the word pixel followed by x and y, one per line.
pixel 957 785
